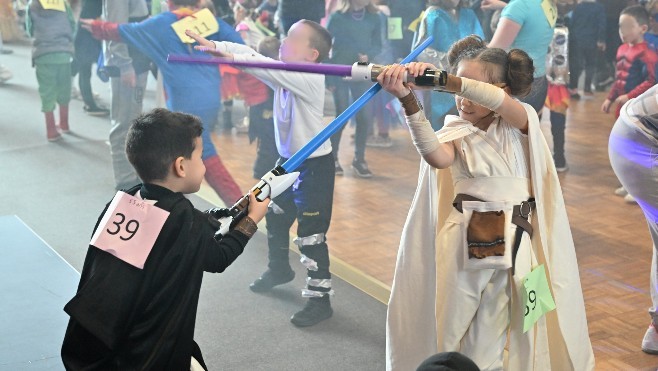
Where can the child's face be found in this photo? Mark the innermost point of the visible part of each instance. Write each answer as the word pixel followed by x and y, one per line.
pixel 296 47
pixel 194 169
pixel 468 110
pixel 630 31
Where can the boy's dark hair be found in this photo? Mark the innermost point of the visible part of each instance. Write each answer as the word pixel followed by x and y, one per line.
pixel 189 3
pixel 638 12
pixel 269 47
pixel 321 39
pixel 157 138
pixel 514 68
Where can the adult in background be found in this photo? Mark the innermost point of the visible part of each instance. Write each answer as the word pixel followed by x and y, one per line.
pixel 527 25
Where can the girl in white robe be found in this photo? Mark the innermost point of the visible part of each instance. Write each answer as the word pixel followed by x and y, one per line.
pixel 444 298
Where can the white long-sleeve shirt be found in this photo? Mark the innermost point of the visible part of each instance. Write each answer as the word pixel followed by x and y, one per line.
pixel 298 101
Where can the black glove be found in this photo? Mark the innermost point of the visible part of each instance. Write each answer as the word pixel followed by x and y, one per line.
pixel 218 212
pixel 215 214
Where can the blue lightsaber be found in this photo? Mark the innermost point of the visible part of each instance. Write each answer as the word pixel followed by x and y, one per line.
pixel 281 177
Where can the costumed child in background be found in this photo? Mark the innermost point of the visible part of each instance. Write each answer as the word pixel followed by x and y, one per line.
pixel 557 96
pixel 236 84
pixel 139 314
pixel 636 66
pixel 356 31
pixel 448 22
pixel 52 51
pixel 261 127
pixel 632 148
pixel 488 210
pixel 298 114
pixel 190 88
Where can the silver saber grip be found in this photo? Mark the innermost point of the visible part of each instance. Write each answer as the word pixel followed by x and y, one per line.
pixel 370 72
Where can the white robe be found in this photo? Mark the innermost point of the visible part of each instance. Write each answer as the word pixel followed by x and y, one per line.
pixel 559 341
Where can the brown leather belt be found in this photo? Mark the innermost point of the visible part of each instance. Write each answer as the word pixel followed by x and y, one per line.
pixel 520 215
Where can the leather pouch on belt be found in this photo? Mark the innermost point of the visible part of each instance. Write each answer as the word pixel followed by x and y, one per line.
pixel 488 234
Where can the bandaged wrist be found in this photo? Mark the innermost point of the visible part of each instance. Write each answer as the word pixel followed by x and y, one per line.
pixel 410 104
pixel 422 134
pixel 482 93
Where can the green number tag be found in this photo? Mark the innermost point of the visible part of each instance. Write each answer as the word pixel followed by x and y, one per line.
pixel 537 297
pixel 395 28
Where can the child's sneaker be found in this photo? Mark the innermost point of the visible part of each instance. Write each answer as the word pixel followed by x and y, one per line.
pixel 621 192
pixel 361 169
pixel 5 74
pixel 271 278
pixel 339 169
pixel 379 141
pixel 629 199
pixel 96 111
pixel 650 341
pixel 315 311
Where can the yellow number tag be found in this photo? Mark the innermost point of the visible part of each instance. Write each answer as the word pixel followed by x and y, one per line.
pixel 537 297
pixel 550 11
pixel 202 22
pixel 53 5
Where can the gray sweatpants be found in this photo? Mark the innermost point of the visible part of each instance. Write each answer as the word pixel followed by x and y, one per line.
pixel 126 106
pixel 634 159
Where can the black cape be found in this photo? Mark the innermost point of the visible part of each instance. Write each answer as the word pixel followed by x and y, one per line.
pixel 125 318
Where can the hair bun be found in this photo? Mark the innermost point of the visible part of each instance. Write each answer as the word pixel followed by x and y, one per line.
pixel 520 72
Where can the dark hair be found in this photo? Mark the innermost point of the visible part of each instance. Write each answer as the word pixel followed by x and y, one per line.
pixel 190 3
pixel 514 68
pixel 638 12
pixel 155 139
pixel 320 39
pixel 269 47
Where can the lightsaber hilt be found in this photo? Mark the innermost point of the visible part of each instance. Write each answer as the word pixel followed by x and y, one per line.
pixel 369 72
pixel 270 185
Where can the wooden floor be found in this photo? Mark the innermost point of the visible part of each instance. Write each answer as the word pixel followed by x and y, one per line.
pixel 611 237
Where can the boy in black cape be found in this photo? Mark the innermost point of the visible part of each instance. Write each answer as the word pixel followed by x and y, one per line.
pixel 126 318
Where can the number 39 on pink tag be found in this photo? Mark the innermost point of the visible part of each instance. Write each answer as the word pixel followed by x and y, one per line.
pixel 129 229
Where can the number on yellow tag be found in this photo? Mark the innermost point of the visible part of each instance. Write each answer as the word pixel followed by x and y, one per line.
pixel 58 5
pixel 550 11
pixel 202 22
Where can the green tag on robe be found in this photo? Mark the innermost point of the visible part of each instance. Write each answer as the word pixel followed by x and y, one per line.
pixel 537 297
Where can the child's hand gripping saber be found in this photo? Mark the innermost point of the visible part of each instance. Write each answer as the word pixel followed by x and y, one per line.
pixel 280 178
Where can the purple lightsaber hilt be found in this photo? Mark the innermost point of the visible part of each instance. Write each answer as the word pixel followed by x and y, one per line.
pixel 319 68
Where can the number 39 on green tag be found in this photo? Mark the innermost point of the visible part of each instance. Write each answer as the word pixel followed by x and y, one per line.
pixel 537 297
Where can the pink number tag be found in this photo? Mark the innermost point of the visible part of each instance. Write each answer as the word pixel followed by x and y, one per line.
pixel 129 229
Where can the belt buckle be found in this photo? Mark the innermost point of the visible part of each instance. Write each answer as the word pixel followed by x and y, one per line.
pixel 525 205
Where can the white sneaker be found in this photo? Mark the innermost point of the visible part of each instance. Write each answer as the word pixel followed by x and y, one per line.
pixel 630 199
pixel 5 74
pixel 621 192
pixel 650 341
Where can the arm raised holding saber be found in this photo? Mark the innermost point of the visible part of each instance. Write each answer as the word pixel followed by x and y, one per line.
pixel 280 178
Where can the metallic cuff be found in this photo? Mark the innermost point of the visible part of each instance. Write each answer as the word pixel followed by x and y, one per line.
pixel 246 226
pixel 410 104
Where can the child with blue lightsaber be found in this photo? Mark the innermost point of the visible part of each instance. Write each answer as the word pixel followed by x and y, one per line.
pixel 298 114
